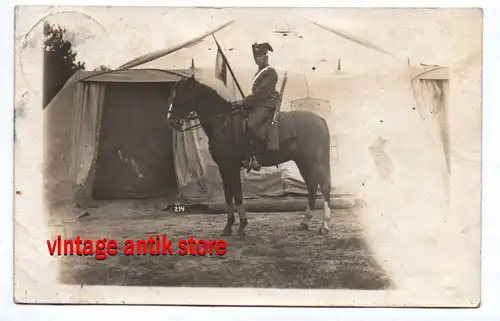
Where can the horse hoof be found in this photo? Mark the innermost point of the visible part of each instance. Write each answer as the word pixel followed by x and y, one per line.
pixel 303 226
pixel 226 233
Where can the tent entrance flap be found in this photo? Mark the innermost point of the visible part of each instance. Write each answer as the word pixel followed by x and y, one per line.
pixel 135 155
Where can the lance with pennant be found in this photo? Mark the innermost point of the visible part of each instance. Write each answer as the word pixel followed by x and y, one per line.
pixel 229 67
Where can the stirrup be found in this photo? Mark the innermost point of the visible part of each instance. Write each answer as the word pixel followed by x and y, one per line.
pixel 251 163
pixel 255 164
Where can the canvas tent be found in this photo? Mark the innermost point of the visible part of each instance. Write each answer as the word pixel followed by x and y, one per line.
pixel 107 136
pixel 351 82
pixel 107 140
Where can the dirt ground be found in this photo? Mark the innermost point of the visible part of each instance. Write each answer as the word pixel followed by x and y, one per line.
pixel 274 254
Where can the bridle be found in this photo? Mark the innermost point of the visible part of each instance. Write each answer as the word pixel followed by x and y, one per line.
pixel 192 116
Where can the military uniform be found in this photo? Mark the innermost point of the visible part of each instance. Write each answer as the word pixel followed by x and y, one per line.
pixel 263 100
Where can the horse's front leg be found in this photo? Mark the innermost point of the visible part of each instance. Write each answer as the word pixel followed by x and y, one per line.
pixel 228 194
pixel 238 200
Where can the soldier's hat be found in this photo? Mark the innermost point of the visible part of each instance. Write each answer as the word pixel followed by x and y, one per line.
pixel 261 48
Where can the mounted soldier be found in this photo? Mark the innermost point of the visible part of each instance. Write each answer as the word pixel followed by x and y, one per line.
pixel 262 102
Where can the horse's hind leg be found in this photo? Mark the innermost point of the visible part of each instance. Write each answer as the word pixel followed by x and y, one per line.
pixel 323 175
pixel 308 175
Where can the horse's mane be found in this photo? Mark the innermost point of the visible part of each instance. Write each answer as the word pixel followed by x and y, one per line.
pixel 216 85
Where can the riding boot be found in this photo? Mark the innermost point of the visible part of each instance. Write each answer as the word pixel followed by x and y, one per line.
pixel 246 164
pixel 251 162
pixel 255 165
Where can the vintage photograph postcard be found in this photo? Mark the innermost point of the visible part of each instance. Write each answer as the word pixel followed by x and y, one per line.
pixel 248 156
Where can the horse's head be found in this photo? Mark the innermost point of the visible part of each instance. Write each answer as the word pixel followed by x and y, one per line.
pixel 183 103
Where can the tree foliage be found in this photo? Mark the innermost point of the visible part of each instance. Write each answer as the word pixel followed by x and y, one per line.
pixel 59 61
pixel 102 68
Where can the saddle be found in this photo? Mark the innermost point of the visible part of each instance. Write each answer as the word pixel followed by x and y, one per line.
pixel 268 132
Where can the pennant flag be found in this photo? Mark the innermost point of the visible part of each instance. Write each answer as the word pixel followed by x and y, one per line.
pixel 221 67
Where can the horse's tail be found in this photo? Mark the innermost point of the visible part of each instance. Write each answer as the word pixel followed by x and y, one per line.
pixel 327 154
pixel 326 129
pixel 323 170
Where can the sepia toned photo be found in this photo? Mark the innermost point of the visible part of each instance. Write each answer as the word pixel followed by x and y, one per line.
pixel 248 156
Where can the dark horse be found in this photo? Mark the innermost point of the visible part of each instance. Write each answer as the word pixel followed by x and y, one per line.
pixel 303 138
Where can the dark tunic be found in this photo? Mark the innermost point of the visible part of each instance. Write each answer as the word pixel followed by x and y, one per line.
pixel 263 90
pixel 262 101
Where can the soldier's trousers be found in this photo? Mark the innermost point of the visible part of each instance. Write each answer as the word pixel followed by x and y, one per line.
pixel 257 119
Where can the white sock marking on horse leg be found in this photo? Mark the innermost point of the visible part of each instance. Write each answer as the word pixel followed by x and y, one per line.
pixel 307 215
pixel 327 215
pixel 241 211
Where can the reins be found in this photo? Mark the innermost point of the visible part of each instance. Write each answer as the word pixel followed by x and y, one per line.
pixel 196 117
pixel 195 126
pixel 232 112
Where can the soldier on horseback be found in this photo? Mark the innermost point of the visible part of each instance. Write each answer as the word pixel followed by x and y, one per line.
pixel 262 102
